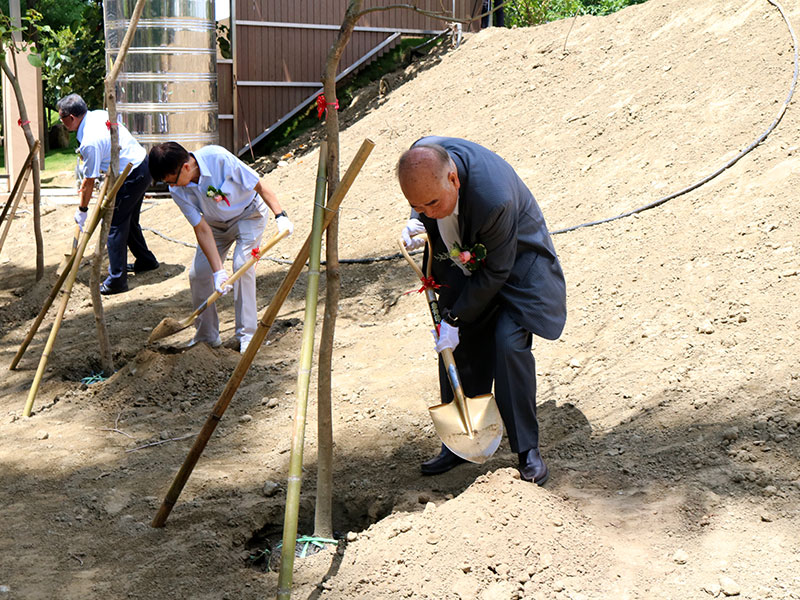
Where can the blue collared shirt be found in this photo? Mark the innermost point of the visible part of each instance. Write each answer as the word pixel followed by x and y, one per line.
pixel 223 171
pixel 95 145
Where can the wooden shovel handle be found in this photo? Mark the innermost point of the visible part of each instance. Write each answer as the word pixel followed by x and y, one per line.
pixel 239 272
pixel 447 353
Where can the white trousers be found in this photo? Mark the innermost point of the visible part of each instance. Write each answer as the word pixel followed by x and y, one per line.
pixel 245 232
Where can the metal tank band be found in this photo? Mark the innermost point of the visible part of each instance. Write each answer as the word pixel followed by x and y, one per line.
pixel 167 89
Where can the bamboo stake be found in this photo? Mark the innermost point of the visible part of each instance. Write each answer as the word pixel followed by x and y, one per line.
pixel 303 378
pixel 73 275
pixel 67 260
pixel 62 276
pixel 18 192
pixel 17 184
pixel 267 319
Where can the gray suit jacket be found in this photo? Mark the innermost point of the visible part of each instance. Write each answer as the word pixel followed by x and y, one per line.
pixel 521 272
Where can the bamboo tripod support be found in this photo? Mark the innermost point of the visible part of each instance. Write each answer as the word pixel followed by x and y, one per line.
pixel 295 479
pixel 17 192
pixel 264 325
pixel 70 281
pixel 64 270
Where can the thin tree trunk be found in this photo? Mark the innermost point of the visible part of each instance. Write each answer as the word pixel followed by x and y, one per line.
pixel 106 356
pixel 323 515
pixel 35 169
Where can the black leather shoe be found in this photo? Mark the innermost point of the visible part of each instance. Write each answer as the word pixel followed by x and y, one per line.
pixel 532 467
pixel 442 463
pixel 136 268
pixel 107 290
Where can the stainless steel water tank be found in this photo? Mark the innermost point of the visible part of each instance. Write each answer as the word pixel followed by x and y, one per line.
pixel 167 89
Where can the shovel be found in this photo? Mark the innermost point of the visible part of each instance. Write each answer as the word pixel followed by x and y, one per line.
pixel 169 326
pixel 470 427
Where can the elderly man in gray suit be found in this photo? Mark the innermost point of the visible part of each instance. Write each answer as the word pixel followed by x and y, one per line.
pixel 500 280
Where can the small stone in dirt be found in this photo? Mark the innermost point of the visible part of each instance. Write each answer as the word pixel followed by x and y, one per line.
pixel 729 586
pixel 714 589
pixel 432 539
pixel 465 587
pixel 245 419
pixel 429 508
pixel 731 434
pixel 424 498
pixel 186 406
pixel 4 589
pixel 680 557
pixel 352 536
pixel 42 435
pixel 767 517
pixel 574 363
pixel 164 435
pixel 499 590
pixel 705 327
pixel 270 488
pixel 558 586
pixel 545 561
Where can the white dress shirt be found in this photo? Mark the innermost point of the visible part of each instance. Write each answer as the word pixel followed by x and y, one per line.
pixel 94 137
pixel 223 171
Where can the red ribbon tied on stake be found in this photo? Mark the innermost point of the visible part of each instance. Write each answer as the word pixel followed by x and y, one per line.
pixel 22 123
pixel 109 125
pixel 428 284
pixel 254 252
pixel 322 105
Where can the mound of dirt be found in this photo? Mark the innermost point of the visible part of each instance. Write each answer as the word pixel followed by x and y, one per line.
pixel 669 408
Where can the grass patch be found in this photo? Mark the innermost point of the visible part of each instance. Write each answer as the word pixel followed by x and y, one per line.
pixel 56 162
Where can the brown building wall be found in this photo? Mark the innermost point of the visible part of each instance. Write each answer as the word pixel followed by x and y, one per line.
pixel 280 48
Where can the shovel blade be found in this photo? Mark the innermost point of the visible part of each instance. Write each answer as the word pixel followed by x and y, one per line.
pixel 167 327
pixel 487 428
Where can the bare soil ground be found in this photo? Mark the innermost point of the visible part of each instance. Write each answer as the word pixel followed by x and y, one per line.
pixel 670 407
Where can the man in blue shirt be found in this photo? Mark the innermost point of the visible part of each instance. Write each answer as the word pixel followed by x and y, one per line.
pixel 94 135
pixel 226 202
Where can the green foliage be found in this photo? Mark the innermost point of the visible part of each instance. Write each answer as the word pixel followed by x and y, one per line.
pixel 525 13
pixel 74 58
pixel 224 40
pixel 67 36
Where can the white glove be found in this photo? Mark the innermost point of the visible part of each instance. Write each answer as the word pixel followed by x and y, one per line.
pixel 80 217
pixel 413 227
pixel 284 224
pixel 220 277
pixel 448 337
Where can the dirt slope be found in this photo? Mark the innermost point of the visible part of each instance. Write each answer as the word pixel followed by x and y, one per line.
pixel 670 407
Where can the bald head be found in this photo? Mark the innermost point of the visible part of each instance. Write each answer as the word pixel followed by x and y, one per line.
pixel 429 180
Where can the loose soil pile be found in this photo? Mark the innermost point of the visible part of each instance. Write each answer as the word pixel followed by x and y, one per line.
pixel 670 407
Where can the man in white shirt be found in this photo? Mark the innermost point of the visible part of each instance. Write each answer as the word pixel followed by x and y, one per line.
pixel 93 130
pixel 226 202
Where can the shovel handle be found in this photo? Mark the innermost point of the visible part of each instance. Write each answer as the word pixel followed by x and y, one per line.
pixel 447 353
pixel 239 272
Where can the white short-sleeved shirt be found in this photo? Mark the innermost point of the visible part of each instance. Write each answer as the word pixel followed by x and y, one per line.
pixel 95 145
pixel 223 171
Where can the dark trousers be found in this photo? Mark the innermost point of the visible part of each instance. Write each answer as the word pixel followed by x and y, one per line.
pixel 498 349
pixel 499 17
pixel 125 231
